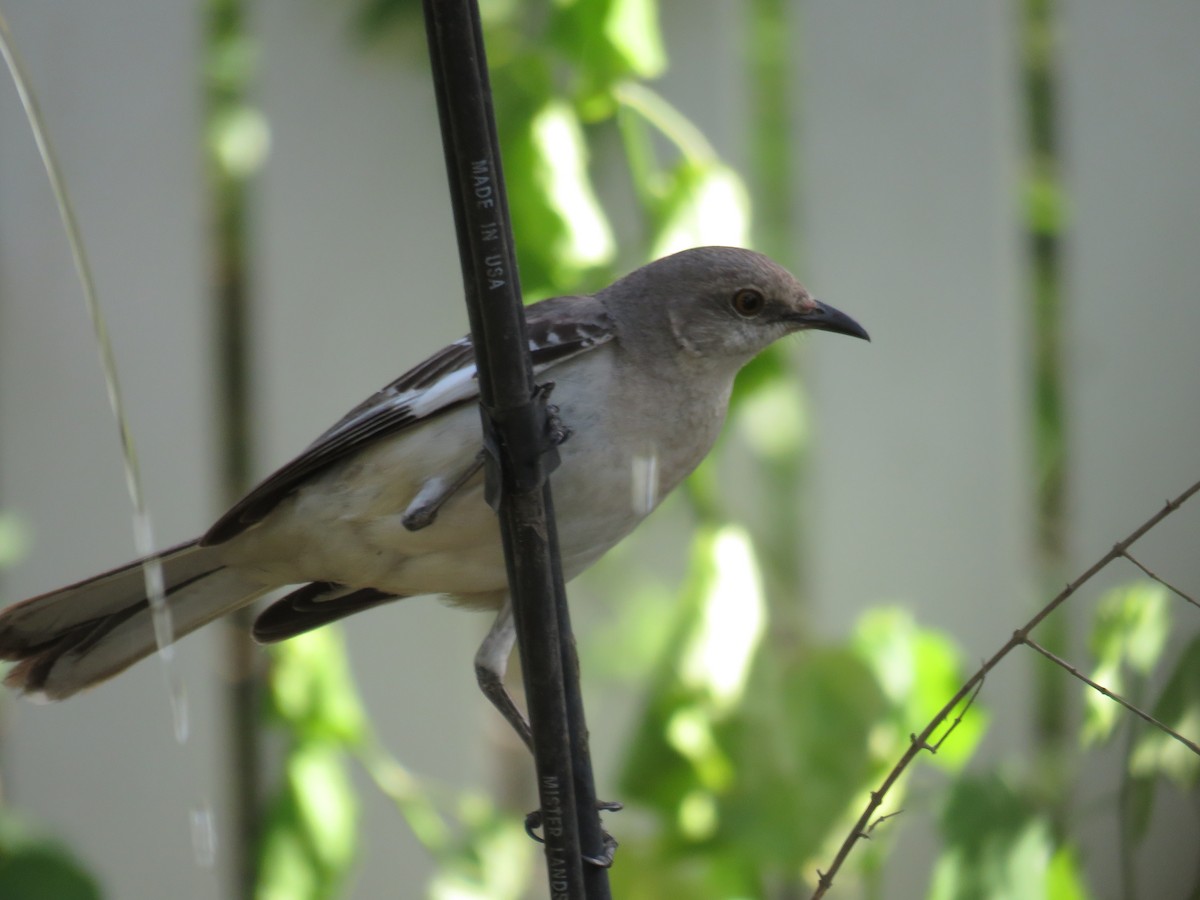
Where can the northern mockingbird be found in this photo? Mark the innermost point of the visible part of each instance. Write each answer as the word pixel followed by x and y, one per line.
pixel 389 503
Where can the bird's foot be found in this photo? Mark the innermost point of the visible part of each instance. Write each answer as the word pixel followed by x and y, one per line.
pixel 603 859
pixel 557 431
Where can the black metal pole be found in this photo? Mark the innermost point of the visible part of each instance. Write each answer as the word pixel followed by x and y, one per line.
pixel 514 422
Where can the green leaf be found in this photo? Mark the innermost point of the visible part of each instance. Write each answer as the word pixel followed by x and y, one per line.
pixel 1100 714
pixel 33 867
pixel 1129 631
pixel 557 138
pixel 720 621
pixel 310 837
pixel 998 848
pixel 562 232
pixel 919 670
pixel 39 872
pixel 704 203
pixel 801 754
pixel 1155 754
pixel 1064 878
pixel 313 690
pixel 1131 626
pixel 607 41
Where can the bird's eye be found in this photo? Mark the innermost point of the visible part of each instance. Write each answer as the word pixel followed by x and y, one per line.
pixel 748 302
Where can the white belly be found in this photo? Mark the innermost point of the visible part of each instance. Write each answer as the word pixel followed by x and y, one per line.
pixel 345 525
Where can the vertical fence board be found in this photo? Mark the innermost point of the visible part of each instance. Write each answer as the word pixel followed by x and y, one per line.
pixel 1131 119
pixel 357 279
pixel 920 477
pixel 118 83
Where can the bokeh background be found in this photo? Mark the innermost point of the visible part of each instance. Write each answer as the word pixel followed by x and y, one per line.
pixel 1006 194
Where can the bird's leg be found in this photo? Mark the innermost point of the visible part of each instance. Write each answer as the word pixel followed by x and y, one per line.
pixel 491 662
pixel 434 494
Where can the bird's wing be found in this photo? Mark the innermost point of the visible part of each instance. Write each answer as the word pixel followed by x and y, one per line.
pixel 559 328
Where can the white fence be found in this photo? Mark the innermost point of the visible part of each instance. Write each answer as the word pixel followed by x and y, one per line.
pixel 909 146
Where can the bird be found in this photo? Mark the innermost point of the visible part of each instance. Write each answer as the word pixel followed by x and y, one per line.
pixel 390 502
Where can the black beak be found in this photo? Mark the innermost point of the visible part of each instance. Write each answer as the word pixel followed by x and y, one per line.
pixel 825 318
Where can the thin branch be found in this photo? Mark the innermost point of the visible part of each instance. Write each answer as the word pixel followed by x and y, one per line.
pixel 921 741
pixel 1170 587
pixel 1112 695
pixel 866 835
pixel 958 719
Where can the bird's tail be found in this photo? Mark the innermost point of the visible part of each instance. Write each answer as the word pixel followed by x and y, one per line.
pixel 80 635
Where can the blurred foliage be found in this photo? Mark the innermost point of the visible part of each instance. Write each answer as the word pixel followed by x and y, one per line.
pixel 310 836
pixel 1129 635
pixel 562 73
pixel 35 868
pixel 756 746
pixel 14 538
pixel 32 866
pixel 751 775
pixel 999 846
pixel 1129 631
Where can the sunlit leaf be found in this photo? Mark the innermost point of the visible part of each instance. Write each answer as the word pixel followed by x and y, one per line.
pixel 998 848
pixel 632 28
pixel 1064 878
pixel 558 139
pixel 1178 707
pixel 312 687
pixel 705 203
pixel 1100 714
pixel 310 837
pixel 1131 626
pixel 731 621
pixel 1156 754
pixel 562 232
pixel 607 41
pixel 919 670
pixel 1129 631
pixel 720 620
pixel 286 867
pixel 801 752
pixel 325 801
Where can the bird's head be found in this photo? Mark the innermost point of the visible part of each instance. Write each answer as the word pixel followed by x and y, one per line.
pixel 723 303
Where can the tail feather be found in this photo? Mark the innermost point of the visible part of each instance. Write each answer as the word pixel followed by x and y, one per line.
pixel 313 606
pixel 82 634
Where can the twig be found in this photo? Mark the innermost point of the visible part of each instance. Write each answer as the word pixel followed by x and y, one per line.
pixel 871 829
pixel 1170 587
pixel 1111 695
pixel 920 741
pixel 958 719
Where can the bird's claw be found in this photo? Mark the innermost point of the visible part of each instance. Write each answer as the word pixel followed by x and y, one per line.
pixel 604 859
pixel 557 431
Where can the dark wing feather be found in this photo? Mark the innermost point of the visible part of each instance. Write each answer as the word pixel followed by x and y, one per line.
pixel 559 328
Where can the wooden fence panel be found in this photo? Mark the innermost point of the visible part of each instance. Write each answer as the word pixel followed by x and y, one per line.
pixel 1131 118
pixel 118 83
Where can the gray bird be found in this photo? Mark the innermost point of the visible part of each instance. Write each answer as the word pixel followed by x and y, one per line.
pixel 389 502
